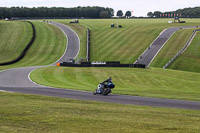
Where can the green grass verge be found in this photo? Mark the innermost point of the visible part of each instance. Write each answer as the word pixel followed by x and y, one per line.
pixel 140 82
pixel 190 59
pixel 48 47
pixel 122 44
pixel 29 113
pixel 14 36
pixel 172 47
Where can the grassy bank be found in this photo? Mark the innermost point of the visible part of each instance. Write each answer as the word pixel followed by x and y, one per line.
pixel 140 82
pixel 48 47
pixel 190 59
pixel 30 113
pixel 14 37
pixel 121 44
pixel 172 47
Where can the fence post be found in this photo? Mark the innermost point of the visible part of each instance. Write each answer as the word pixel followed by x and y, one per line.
pixel 88 45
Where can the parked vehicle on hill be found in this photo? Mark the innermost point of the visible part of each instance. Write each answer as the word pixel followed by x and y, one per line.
pixel 105 87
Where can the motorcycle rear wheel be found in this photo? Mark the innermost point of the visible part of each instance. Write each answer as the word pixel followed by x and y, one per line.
pixel 106 91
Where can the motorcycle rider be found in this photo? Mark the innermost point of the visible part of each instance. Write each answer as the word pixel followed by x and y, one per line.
pixel 102 85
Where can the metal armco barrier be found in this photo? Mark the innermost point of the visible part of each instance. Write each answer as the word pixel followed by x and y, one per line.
pixel 108 64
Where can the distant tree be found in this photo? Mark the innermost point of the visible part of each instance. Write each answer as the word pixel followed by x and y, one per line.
pixel 128 14
pixel 104 14
pixel 120 13
pixel 150 14
pixel 110 11
pixel 157 14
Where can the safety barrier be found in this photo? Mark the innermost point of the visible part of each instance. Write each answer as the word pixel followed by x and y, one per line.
pixel 183 49
pixel 102 64
pixel 25 50
pixel 88 45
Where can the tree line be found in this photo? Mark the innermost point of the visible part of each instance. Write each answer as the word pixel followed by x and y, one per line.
pixel 78 12
pixel 121 14
pixel 185 13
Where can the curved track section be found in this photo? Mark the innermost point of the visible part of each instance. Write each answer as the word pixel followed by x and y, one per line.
pixel 16 80
pixel 73 46
pixel 150 53
pixel 19 77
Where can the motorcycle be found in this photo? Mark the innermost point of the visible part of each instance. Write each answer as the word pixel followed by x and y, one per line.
pixel 104 89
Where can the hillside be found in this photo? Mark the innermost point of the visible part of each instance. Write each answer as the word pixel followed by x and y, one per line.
pixel 171 48
pixel 124 44
pixel 35 113
pixel 14 37
pixel 190 59
pixel 108 43
pixel 48 47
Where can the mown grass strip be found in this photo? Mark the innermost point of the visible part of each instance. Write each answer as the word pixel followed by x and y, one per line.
pixel 190 59
pixel 14 36
pixel 121 44
pixel 30 113
pixel 23 53
pixel 48 47
pixel 138 82
pixel 172 47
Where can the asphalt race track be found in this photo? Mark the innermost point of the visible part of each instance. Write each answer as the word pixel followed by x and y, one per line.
pixel 17 80
pixel 149 54
pixel 73 45
pixel 112 98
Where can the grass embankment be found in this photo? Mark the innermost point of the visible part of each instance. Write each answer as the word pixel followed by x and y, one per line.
pixel 172 47
pixel 190 59
pixel 48 47
pixel 14 37
pixel 140 82
pixel 122 44
pixel 48 114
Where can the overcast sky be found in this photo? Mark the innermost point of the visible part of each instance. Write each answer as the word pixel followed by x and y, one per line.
pixel 139 7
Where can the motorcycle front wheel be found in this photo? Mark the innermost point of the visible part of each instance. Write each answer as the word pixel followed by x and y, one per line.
pixel 95 92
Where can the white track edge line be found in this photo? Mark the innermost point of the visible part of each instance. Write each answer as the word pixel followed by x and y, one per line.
pixel 6 91
pixel 32 80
